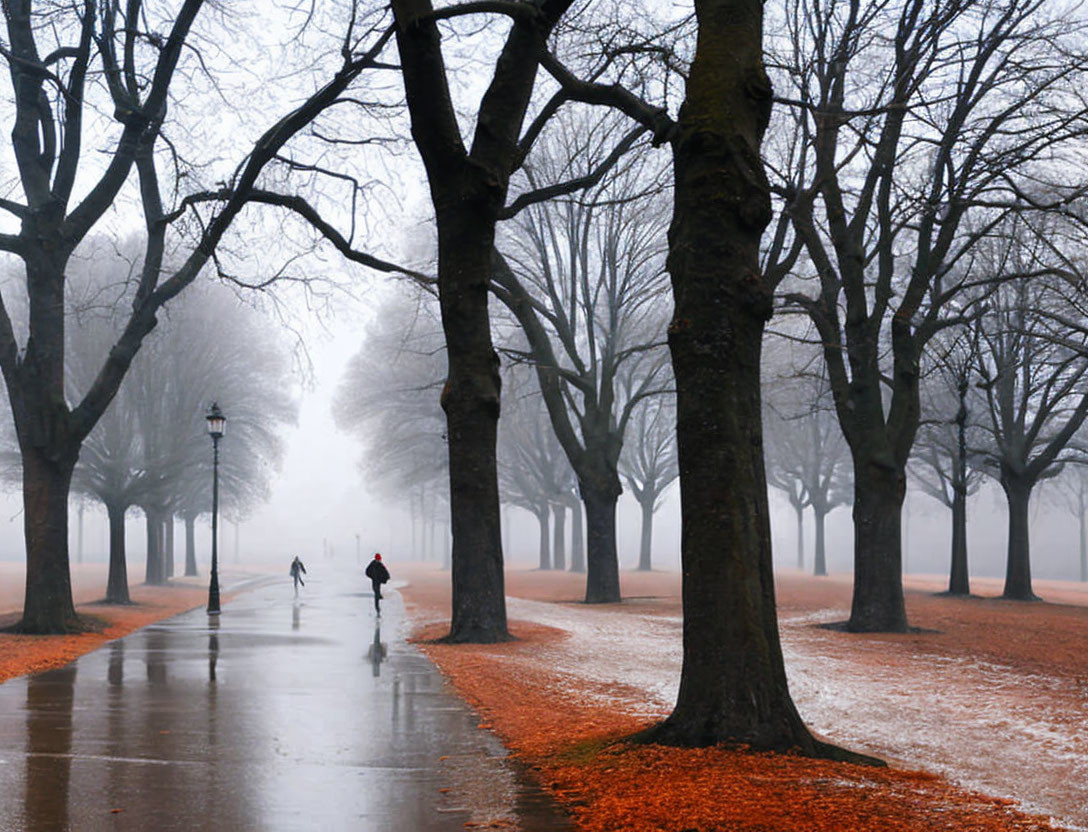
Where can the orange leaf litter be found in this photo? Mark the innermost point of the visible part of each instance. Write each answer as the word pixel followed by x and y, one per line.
pixel 575 747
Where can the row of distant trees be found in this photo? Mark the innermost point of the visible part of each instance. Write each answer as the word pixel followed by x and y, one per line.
pixel 150 450
pixel 1003 395
pixel 389 398
pixel 585 372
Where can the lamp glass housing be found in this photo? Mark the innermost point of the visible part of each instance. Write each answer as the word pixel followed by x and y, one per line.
pixel 217 422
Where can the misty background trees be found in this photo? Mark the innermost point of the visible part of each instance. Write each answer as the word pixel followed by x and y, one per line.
pixel 388 399
pixel 807 457
pixel 906 176
pixel 583 277
pixel 150 449
pixel 894 159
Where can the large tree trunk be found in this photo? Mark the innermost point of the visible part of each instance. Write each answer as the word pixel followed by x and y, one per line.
pixel 559 537
pixel 733 682
pixel 190 545
pixel 1018 562
pixel 959 581
pixel 602 562
pixel 117 582
pixel 47 605
pixel 877 605
pixel 470 399
pixel 819 560
pixel 577 540
pixel 645 556
pixel 544 550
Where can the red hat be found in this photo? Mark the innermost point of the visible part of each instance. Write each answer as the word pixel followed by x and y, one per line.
pixel 377 556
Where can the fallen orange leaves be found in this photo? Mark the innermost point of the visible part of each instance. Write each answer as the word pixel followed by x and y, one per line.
pixel 575 747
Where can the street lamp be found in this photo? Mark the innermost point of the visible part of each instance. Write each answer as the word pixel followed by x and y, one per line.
pixel 217 423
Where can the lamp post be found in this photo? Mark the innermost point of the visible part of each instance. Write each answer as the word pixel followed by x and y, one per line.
pixel 217 423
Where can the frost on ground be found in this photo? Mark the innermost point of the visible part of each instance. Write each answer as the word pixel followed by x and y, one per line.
pixel 991 726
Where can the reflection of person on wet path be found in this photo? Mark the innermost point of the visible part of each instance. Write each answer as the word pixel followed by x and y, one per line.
pixel 297 571
pixel 377 651
pixel 378 575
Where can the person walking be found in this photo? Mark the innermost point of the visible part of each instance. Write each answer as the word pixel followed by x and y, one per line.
pixel 378 575
pixel 297 571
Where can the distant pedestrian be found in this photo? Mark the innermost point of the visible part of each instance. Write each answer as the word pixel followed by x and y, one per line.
pixel 297 571
pixel 378 575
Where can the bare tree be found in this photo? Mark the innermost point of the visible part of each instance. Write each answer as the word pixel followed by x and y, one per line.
pixel 648 464
pixel 150 447
pixel 722 303
pixel 388 398
pixel 784 473
pixel 910 128
pixel 583 278
pixel 806 455
pixel 109 469
pixel 212 347
pixel 469 188
pixel 533 472
pixel 944 463
pixel 1033 368
pixel 73 165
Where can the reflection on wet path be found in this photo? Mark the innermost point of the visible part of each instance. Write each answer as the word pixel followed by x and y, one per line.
pixel 48 746
pixel 277 715
pixel 377 651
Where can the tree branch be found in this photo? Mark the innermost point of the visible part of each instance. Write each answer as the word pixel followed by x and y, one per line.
pixel 577 184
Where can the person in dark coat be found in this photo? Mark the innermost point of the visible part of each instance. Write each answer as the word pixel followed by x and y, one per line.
pixel 378 575
pixel 297 571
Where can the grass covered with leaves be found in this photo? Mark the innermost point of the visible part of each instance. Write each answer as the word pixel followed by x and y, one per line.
pixel 562 726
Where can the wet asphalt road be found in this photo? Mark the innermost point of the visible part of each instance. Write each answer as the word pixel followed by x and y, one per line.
pixel 278 715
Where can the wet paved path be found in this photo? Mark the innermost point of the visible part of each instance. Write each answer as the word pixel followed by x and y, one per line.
pixel 280 715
